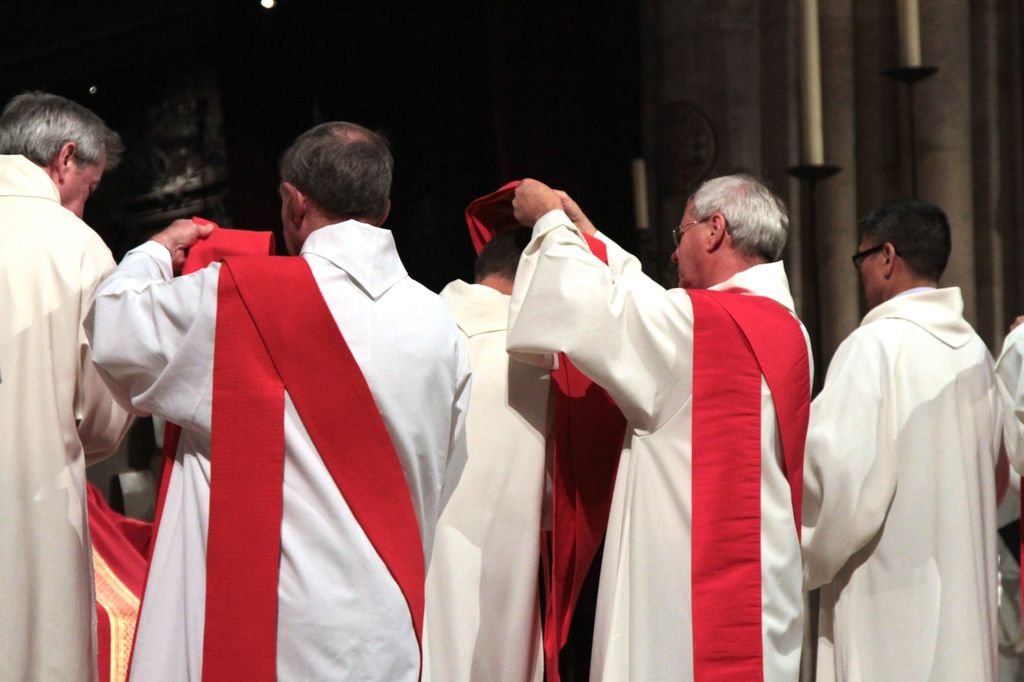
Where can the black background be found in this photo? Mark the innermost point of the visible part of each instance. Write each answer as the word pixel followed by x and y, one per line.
pixel 471 94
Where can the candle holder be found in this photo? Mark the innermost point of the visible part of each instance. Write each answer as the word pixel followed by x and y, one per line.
pixel 810 174
pixel 909 75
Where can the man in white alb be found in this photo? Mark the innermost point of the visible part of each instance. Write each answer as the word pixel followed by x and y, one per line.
pixel 696 579
pixel 55 412
pixel 483 603
pixel 900 477
pixel 370 448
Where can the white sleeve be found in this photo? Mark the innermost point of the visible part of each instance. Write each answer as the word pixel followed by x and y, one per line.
pixel 457 445
pixel 620 261
pixel 850 475
pixel 100 421
pixel 152 336
pixel 619 327
pixel 1010 380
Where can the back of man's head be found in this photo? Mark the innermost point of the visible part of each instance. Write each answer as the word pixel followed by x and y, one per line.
pixel 500 257
pixel 756 219
pixel 919 231
pixel 343 169
pixel 37 124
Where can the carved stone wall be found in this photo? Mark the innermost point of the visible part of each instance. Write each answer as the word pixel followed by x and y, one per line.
pixel 721 87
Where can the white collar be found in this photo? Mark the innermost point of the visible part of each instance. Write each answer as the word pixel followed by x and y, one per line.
pixel 365 252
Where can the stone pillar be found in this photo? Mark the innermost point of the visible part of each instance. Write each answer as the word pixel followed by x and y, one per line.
pixel 709 73
pixel 780 146
pixel 995 217
pixel 1012 216
pixel 836 220
pixel 654 243
pixel 877 120
pixel 943 131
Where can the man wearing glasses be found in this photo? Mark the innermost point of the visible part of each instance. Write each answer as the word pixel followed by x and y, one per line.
pixel 701 576
pixel 900 477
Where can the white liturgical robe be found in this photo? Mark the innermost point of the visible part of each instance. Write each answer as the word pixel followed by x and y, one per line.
pixel 483 606
pixel 1010 373
pixel 900 497
pixel 55 414
pixel 1010 380
pixel 341 615
pixel 635 339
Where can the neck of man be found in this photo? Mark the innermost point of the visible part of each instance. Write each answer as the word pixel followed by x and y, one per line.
pixel 499 283
pixel 905 281
pixel 728 265
pixel 315 219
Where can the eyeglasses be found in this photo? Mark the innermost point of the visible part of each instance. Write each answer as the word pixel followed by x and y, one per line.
pixel 858 257
pixel 680 229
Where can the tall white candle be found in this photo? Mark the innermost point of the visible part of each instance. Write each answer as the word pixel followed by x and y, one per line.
pixel 639 169
pixel 909 24
pixel 812 138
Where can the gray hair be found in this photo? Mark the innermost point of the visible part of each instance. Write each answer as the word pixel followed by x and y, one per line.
pixel 343 168
pixel 37 124
pixel 755 218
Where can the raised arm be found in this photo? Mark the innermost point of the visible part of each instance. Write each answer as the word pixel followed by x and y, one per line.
pixel 623 330
pixel 100 421
pixel 151 334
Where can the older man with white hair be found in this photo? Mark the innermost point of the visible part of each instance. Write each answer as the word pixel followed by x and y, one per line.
pixel 55 412
pixel 702 572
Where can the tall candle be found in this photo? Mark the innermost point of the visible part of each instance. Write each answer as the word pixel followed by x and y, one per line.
pixel 909 32
pixel 812 138
pixel 640 213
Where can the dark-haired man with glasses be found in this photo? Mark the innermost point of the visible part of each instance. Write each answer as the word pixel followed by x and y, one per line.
pixel 900 477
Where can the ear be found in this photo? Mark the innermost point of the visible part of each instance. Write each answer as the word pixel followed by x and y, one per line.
pixel 717 234
pixel 60 166
pixel 293 204
pixel 385 214
pixel 888 260
pixel 380 219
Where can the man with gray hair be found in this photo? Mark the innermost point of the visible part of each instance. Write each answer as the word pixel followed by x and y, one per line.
pixel 291 547
pixel 55 412
pixel 701 576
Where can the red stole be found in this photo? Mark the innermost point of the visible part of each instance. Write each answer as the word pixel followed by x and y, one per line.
pixel 259 355
pixel 220 243
pixel 119 547
pixel 737 339
pixel 588 434
pixel 587 440
pixel 491 215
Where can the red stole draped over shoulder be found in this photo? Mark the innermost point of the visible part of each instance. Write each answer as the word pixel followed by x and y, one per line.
pixel 219 244
pixel 737 339
pixel 119 548
pixel 588 434
pixel 268 343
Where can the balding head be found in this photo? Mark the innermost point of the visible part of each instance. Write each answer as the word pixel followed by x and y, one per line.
pixel 343 169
